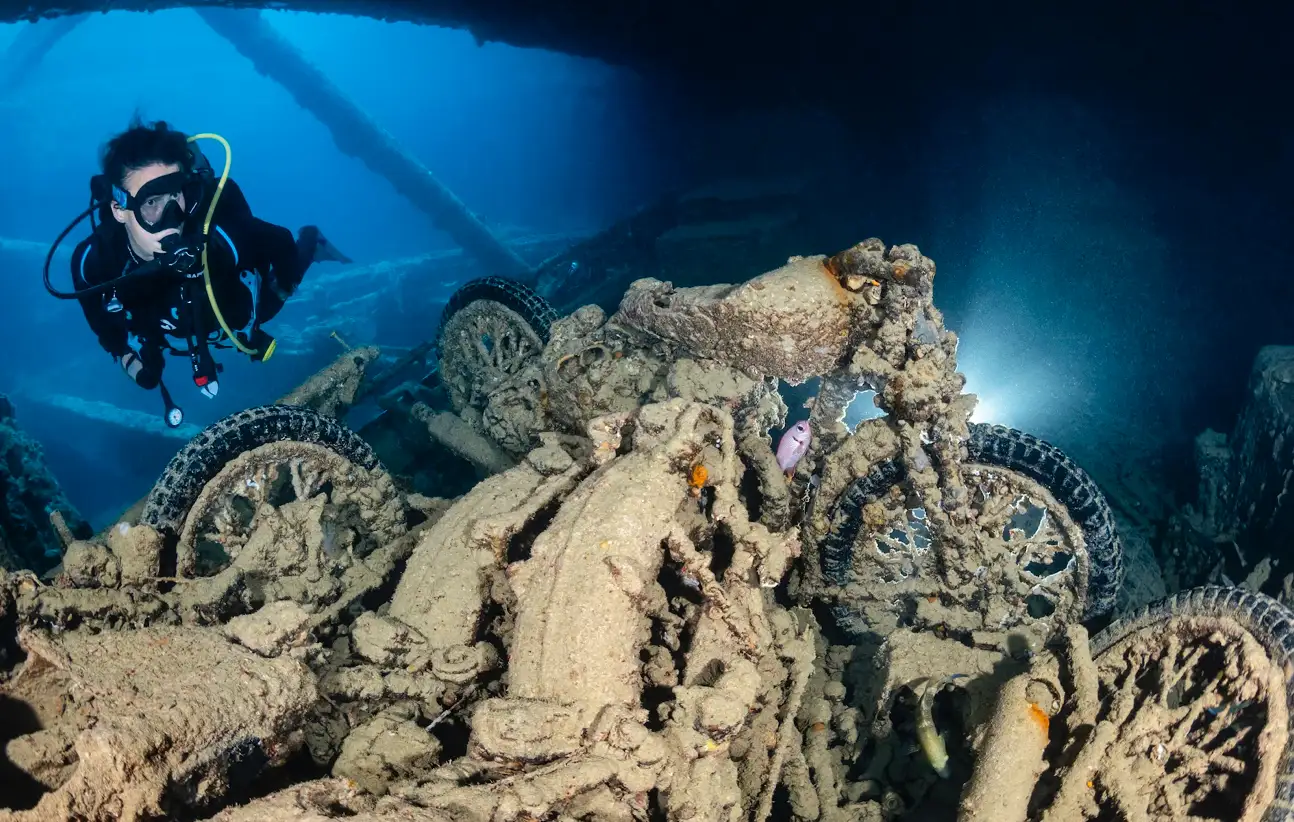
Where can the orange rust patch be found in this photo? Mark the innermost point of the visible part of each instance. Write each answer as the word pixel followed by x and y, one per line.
pixel 843 296
pixel 819 727
pixel 1039 716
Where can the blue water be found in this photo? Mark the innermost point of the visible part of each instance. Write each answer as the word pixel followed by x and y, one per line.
pixel 1069 235
pixel 534 142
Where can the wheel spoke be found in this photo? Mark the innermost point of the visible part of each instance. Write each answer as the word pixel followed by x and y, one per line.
pixel 495 344
pixel 1178 695
pixel 235 503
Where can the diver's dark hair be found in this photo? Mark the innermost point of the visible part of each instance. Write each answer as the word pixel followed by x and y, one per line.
pixel 142 145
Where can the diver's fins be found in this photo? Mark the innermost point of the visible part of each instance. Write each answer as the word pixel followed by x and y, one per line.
pixel 326 252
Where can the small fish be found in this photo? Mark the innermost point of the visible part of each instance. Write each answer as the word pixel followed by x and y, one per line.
pixel 793 445
pixel 1232 706
pixel 928 736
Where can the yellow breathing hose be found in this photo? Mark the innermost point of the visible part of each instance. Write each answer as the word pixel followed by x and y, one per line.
pixel 206 234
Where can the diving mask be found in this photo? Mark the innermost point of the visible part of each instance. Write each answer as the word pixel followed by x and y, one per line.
pixel 163 203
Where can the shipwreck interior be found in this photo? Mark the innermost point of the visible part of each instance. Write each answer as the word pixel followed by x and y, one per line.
pixel 706 515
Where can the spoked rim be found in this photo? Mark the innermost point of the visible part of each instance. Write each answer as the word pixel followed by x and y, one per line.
pixel 1033 552
pixel 481 346
pixel 228 509
pixel 1192 723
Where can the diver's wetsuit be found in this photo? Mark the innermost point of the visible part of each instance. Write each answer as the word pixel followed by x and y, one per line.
pixel 255 265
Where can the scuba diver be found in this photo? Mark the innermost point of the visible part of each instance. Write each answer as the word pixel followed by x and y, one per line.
pixel 177 255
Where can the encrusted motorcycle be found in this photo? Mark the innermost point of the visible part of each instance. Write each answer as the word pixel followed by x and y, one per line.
pixel 643 609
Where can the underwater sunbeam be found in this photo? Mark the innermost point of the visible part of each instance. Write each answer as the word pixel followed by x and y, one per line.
pixel 1008 392
pixel 1004 396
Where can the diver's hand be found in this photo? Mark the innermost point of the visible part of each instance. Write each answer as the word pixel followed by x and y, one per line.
pixel 183 255
pixel 144 377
